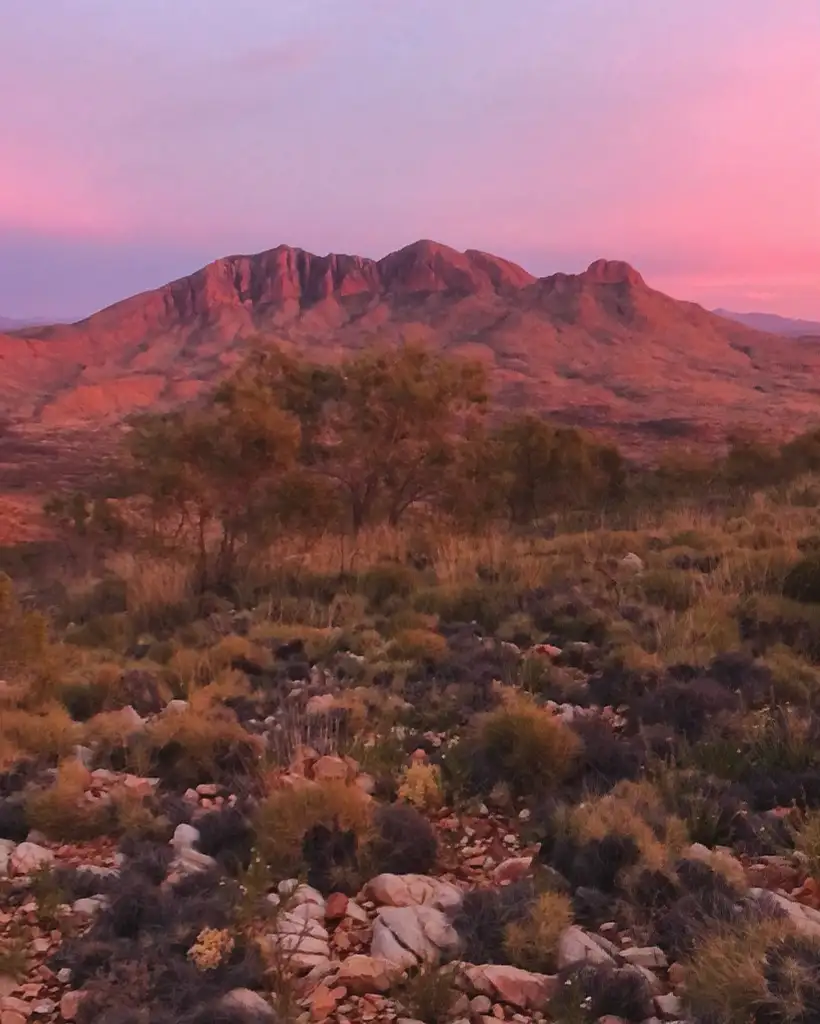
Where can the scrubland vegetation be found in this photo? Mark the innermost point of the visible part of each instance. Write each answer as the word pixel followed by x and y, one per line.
pixel 334 616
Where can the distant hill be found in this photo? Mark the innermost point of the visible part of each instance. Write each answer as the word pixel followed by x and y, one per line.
pixel 599 349
pixel 774 324
pixel 17 323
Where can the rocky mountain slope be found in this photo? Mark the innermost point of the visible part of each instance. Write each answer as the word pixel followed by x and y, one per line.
pixel 600 348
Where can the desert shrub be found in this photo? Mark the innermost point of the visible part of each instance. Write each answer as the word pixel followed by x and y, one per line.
pixel 48 733
pixel 607 757
pixel 286 815
pixel 14 823
pixel 486 604
pixel 794 680
pixel 403 842
pixel 636 811
pixel 673 589
pixel 802 582
pixel 228 836
pixel 113 632
pixel 523 745
pixel 761 973
pixel 605 990
pixel 806 834
pixel 62 811
pixel 686 706
pixel 532 943
pixel 23 634
pixel 428 994
pixel 420 786
pixel 419 645
pixel 769 621
pixel 387 580
pixel 192 747
pixel 485 916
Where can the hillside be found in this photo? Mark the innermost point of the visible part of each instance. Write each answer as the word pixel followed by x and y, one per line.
pixel 600 348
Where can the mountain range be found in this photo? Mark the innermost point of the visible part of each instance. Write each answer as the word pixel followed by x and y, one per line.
pixel 599 349
pixel 775 324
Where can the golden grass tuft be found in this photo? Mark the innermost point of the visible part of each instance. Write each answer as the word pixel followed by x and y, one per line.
pixel 532 944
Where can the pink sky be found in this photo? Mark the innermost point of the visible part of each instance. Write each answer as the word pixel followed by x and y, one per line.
pixel 139 143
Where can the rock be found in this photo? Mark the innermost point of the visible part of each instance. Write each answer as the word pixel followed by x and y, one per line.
pixel 321 704
pixel 244 1000
pixel 401 934
pixel 360 974
pixel 356 913
pixel 129 719
pixel 89 906
pixel 413 890
pixel 522 989
pixel 29 857
pixel 336 906
pixel 480 1005
pixel 6 847
pixel 301 938
pixel 306 894
pixel 185 837
pixel 13 1017
pixel 330 769
pixel 191 862
pixel 575 946
pixel 175 707
pixel 632 562
pixel 668 1006
pixel 645 956
pixel 324 1001
pixel 512 870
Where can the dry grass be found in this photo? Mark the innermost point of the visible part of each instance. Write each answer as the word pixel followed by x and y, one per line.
pixel 724 978
pixel 633 809
pixel 153 586
pixel 289 811
pixel 532 944
pixel 524 745
pixel 63 812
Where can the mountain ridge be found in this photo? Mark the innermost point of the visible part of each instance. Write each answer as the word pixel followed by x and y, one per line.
pixel 600 348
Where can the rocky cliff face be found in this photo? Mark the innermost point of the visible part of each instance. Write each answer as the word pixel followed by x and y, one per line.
pixel 599 348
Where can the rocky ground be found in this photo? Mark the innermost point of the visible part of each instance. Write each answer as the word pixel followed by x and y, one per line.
pixel 524 830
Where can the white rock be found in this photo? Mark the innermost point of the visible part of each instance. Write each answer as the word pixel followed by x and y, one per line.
pixel 576 946
pixel 413 890
pixel 185 837
pixel 645 956
pixel 250 1002
pixel 356 913
pixel 422 930
pixel 6 847
pixel 632 562
pixel 175 707
pixel 191 862
pixel 89 906
pixel 29 857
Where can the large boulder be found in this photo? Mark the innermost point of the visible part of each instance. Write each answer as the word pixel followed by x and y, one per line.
pixel 407 936
pixel 413 890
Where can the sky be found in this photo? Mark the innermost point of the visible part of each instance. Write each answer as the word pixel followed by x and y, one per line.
pixel 141 139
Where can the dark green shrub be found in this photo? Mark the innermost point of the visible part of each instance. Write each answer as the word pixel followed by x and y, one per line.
pixel 802 582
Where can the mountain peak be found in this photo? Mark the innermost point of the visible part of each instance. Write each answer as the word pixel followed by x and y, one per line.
pixel 427 266
pixel 613 272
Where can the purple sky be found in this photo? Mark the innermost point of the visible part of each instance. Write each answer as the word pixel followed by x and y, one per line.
pixel 140 139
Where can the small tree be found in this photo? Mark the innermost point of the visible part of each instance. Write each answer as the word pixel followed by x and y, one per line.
pixel 217 471
pixel 393 430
